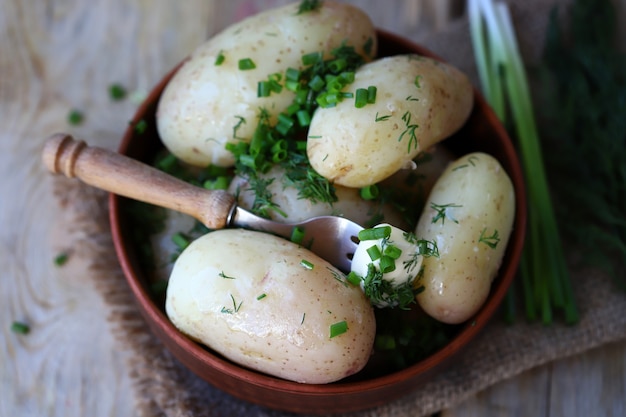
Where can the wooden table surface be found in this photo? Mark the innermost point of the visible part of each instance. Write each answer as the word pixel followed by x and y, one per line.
pixel 57 55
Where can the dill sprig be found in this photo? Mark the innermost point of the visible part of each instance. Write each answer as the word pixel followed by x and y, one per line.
pixel 583 84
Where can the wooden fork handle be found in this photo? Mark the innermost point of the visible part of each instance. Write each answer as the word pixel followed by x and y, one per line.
pixel 130 178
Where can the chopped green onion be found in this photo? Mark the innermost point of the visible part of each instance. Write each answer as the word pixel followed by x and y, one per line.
pixel 292 85
pixel 262 296
pixel 306 264
pixel 61 259
pixel 272 85
pixel 246 64
pixel 284 123
pixel 75 117
pixel 297 234
pixel 387 264
pixel 360 98
pixel 302 97
pixel 219 60
pixel 219 183
pixel 347 77
pixel 117 92
pixel 374 252
pixel 337 64
pixel 353 278
pixel 304 118
pixel 371 94
pixel 279 155
pixel 279 151
pixel 326 100
pixel 316 83
pixel 370 192
pixel 180 240
pixel 292 74
pixel 312 58
pixel 280 145
pixel 292 109
pixel 263 89
pixel 167 162
pixel 338 328
pixel 141 126
pixel 334 84
pixel 20 328
pixel 248 160
pixel 375 233
pixel 392 251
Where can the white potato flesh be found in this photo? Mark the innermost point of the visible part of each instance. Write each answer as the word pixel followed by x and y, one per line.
pixel 469 215
pixel 407 265
pixel 349 203
pixel 247 295
pixel 419 102
pixel 203 103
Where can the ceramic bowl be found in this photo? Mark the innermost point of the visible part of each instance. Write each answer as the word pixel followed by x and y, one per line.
pixel 482 132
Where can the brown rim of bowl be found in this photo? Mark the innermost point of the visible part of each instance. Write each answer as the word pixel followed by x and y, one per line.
pixel 160 323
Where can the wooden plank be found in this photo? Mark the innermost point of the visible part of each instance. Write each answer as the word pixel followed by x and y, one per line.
pixel 55 56
pixel 590 384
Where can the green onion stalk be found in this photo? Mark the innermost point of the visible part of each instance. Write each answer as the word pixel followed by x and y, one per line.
pixel 545 278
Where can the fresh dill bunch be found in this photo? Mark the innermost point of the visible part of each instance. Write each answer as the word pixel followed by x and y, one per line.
pixel 582 80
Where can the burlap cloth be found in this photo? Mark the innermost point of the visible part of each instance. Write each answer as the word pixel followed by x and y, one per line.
pixel 501 351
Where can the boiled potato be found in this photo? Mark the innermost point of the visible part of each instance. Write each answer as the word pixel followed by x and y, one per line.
pixel 204 106
pixel 419 102
pixel 469 215
pixel 388 277
pixel 293 208
pixel 409 188
pixel 271 305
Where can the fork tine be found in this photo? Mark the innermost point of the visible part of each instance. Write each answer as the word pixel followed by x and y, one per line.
pixel 332 238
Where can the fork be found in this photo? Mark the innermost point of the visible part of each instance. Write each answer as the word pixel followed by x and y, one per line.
pixel 332 238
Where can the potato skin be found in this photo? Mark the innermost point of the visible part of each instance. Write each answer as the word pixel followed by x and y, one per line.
pixel 481 200
pixel 246 295
pixel 355 147
pixel 203 102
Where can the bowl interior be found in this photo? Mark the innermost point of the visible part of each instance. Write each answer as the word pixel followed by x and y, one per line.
pixel 482 132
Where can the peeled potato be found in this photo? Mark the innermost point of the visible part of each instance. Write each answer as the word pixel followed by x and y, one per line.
pixel 205 105
pixel 419 102
pixel 271 305
pixel 469 215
